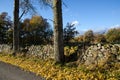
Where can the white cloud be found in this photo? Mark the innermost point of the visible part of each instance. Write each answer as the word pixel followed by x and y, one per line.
pixel 75 23
pixel 115 26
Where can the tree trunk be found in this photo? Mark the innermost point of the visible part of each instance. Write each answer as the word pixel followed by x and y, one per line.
pixel 16 27
pixel 58 32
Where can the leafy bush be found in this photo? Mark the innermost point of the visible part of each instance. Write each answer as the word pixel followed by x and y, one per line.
pixel 70 50
pixel 113 35
pixel 88 36
pixel 99 38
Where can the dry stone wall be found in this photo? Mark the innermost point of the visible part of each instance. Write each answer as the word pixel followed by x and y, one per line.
pixel 5 48
pixel 98 55
pixel 42 51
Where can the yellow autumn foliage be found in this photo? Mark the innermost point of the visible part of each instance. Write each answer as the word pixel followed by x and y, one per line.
pixel 70 50
pixel 50 71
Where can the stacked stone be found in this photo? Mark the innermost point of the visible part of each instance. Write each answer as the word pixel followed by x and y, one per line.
pixel 99 55
pixel 5 48
pixel 41 51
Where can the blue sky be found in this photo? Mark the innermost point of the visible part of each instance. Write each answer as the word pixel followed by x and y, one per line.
pixel 86 14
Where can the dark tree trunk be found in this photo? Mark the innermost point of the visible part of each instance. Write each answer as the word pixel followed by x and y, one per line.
pixel 58 32
pixel 16 27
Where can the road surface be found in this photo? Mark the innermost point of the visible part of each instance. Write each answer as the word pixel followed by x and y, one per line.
pixel 10 72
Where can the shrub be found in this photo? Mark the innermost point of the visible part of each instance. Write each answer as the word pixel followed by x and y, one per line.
pixel 113 35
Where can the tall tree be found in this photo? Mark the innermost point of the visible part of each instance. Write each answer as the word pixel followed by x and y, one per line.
pixel 16 27
pixel 5 25
pixel 26 6
pixel 58 31
pixel 58 28
pixel 2 27
pixel 35 31
pixel 69 32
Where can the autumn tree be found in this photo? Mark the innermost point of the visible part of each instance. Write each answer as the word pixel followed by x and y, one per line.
pixel 113 35
pixel 79 38
pixel 99 38
pixel 36 31
pixel 58 28
pixel 88 36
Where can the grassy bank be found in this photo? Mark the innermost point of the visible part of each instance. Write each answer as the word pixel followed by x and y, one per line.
pixel 52 71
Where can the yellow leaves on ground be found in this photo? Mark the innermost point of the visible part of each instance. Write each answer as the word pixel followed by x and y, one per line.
pixel 51 71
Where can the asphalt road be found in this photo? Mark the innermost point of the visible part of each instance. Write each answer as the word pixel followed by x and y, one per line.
pixel 10 72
